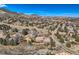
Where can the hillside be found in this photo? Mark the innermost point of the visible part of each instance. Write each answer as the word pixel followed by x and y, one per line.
pixel 38 35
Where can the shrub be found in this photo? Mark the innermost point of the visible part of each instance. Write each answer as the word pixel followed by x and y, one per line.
pixel 4 27
pixel 65 29
pixel 61 40
pixel 1 40
pixel 13 42
pixel 7 36
pixel 52 43
pixel 4 42
pixel 34 32
pixel 68 44
pixel 8 41
pixel 76 37
pixel 73 42
pixel 15 30
pixel 51 28
pixel 60 37
pixel 25 31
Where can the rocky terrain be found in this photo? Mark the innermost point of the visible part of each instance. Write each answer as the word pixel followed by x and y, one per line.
pixel 22 34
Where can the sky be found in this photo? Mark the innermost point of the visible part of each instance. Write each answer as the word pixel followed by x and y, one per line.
pixel 44 9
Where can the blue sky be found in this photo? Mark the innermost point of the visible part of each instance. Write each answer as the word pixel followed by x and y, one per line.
pixel 45 9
